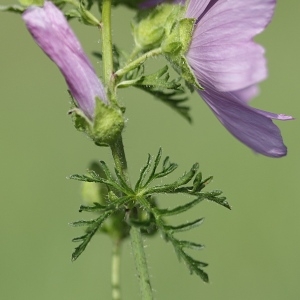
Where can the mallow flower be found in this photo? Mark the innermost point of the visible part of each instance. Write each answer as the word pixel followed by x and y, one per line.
pixel 53 34
pixel 228 64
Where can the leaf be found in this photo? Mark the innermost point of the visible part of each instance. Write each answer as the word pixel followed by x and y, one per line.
pixel 13 8
pixel 219 200
pixel 172 188
pixel 167 168
pixel 156 162
pixel 191 245
pixel 143 173
pixel 187 177
pixel 106 170
pixel 123 184
pixel 85 239
pixel 89 4
pixel 172 93
pixel 194 265
pixel 156 80
pixel 97 207
pixel 82 223
pixel 173 99
pixel 180 209
pixel 83 178
pixel 184 227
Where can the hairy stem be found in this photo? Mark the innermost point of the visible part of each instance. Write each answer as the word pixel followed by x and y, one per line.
pixel 136 63
pixel 115 270
pixel 141 263
pixel 107 53
pixel 118 154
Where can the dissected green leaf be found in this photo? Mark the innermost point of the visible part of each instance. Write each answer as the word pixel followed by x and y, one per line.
pixel 82 223
pixel 191 245
pixel 83 178
pixel 85 239
pixel 219 200
pixel 156 162
pixel 170 92
pixel 13 8
pixel 184 227
pixel 143 173
pixel 96 207
pixel 139 209
pixel 182 208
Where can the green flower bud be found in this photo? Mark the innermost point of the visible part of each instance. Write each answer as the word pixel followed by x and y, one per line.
pixel 87 17
pixel 150 27
pixel 105 127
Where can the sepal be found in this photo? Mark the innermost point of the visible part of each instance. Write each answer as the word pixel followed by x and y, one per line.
pixel 108 123
pixel 150 27
pixel 175 46
pixel 83 14
pixel 81 121
pixel 106 126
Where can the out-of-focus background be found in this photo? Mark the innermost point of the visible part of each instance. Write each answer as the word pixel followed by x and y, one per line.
pixel 253 250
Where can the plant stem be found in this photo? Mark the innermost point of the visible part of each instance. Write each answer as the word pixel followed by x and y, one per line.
pixel 115 270
pixel 118 154
pixel 136 63
pixel 107 42
pixel 141 263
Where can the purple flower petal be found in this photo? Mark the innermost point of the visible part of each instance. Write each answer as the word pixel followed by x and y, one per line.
pixel 196 8
pixel 251 126
pixel 53 34
pixel 247 93
pixel 222 52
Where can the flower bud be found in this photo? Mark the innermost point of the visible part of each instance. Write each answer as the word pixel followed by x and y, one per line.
pixel 91 111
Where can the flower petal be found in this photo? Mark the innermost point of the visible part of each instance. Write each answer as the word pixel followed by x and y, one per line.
pixel 53 34
pixel 247 93
pixel 222 52
pixel 228 67
pixel 196 8
pixel 251 126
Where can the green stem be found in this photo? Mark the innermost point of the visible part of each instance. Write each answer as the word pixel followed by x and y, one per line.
pixel 141 263
pixel 118 154
pixel 115 270
pixel 136 63
pixel 107 43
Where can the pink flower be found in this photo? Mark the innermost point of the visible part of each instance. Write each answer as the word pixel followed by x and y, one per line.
pixel 53 34
pixel 229 64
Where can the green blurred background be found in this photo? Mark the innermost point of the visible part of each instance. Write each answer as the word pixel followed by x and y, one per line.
pixel 253 250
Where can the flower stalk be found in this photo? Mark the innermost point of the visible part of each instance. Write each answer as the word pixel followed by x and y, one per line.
pixel 118 153
pixel 107 43
pixel 138 251
pixel 115 268
pixel 137 245
pixel 137 62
